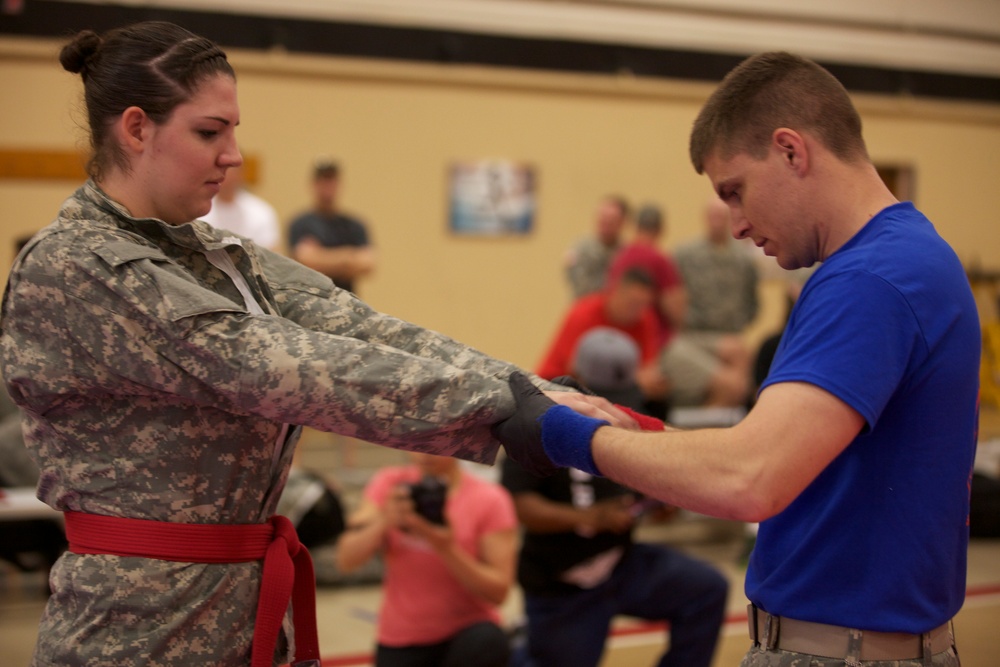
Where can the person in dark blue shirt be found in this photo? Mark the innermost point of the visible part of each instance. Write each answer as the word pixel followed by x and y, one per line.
pixel 328 240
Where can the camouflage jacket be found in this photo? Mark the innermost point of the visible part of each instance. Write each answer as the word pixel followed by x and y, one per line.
pixel 721 286
pixel 587 266
pixel 149 390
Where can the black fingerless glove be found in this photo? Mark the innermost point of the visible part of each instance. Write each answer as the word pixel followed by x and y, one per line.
pixel 541 436
pixel 521 433
pixel 572 383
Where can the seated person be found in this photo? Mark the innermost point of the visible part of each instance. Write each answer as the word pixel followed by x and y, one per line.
pixel 709 362
pixel 579 566
pixel 587 262
pixel 644 253
pixel 443 581
pixel 605 362
pixel 627 305
pixel 27 543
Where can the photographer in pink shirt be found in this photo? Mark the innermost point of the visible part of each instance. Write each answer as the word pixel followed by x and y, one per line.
pixel 449 540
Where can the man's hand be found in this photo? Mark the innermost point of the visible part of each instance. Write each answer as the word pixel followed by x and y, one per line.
pixel 589 404
pixel 653 383
pixel 521 433
pixel 610 515
pixel 594 406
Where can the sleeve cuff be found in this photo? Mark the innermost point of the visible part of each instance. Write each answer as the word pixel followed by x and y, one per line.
pixel 566 436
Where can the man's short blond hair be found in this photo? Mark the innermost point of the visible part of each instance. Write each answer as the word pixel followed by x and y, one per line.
pixel 772 90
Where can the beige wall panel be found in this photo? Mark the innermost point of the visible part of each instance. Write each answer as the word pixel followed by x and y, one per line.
pixel 956 166
pixel 397 128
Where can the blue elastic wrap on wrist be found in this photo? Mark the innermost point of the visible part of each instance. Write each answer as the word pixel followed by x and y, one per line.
pixel 566 436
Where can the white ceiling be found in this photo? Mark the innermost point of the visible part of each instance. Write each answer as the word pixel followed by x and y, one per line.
pixel 951 36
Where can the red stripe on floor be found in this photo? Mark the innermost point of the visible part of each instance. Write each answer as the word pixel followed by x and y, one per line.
pixel 638 629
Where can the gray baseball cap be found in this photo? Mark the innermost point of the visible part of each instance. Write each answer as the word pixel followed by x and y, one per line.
pixel 606 361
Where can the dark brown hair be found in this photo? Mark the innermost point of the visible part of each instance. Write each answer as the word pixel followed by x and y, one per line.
pixel 772 90
pixel 153 65
pixel 621 203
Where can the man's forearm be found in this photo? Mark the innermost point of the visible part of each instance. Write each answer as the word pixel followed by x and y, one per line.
pixel 750 471
pixel 699 470
pixel 339 262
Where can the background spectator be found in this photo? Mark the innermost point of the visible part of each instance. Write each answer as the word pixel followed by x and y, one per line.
pixel 709 362
pixel 644 253
pixel 449 563
pixel 587 262
pixel 328 240
pixel 238 210
pixel 626 305
pixel 579 566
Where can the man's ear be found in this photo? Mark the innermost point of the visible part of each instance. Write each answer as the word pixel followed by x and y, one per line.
pixel 792 148
pixel 133 126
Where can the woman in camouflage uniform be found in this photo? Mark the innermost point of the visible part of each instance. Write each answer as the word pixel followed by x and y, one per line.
pixel 160 363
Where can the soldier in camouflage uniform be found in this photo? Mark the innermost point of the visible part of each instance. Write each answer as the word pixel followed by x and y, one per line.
pixel 720 275
pixel 709 362
pixel 588 261
pixel 162 365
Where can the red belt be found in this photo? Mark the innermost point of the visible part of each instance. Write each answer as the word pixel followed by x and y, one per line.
pixel 287 565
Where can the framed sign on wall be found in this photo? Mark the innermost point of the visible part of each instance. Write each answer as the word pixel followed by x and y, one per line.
pixel 491 197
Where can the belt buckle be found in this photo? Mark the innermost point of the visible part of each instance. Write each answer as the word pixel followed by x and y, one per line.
pixel 752 623
pixel 772 626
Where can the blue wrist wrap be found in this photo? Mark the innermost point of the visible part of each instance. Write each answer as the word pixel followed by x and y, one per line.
pixel 566 436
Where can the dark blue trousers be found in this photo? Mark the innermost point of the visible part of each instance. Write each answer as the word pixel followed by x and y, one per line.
pixel 652 583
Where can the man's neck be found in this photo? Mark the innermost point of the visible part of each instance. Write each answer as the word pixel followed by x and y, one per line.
pixel 857 196
pixel 645 238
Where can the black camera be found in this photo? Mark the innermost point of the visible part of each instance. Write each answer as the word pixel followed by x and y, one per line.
pixel 428 498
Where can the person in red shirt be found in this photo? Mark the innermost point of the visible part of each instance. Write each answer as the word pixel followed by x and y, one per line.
pixel 627 304
pixel 670 298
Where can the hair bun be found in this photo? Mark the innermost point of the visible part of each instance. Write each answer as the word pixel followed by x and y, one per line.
pixel 76 55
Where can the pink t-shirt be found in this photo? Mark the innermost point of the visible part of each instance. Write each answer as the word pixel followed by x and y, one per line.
pixel 423 603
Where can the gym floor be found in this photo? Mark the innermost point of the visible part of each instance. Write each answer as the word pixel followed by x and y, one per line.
pixel 347 609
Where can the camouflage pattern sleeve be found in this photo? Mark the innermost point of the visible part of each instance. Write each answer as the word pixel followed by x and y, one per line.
pixel 137 317
pixel 149 389
pixel 311 300
pixel 588 268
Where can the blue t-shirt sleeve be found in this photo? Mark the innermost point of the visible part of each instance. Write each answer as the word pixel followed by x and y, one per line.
pixel 851 334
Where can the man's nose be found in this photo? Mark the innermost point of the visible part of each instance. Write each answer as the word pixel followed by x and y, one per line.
pixel 739 225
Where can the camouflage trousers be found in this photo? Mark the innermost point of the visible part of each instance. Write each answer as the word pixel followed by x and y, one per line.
pixel 760 657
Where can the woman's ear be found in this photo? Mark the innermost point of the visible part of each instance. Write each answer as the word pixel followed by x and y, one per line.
pixel 133 125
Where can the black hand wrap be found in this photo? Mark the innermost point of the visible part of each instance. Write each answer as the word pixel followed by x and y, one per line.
pixel 521 433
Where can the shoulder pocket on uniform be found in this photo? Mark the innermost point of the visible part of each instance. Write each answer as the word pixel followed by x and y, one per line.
pixel 117 253
pixel 179 294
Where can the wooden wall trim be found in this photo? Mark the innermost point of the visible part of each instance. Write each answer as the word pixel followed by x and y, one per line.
pixel 63 165
pixel 44 165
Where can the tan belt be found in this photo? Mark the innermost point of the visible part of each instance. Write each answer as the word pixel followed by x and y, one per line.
pixel 834 641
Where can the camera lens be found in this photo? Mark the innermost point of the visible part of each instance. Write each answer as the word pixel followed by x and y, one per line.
pixel 428 499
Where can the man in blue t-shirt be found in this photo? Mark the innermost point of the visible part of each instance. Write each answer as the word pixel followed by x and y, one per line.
pixel 857 456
